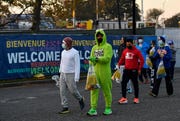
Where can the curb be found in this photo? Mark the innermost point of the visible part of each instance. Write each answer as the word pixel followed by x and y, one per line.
pixel 25 83
pixel 13 84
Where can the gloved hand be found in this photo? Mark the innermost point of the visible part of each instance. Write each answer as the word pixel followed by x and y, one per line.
pixel 117 67
pixel 93 59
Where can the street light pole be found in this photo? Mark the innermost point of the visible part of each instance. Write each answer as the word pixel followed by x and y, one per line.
pixel 74 12
pixel 97 9
pixel 97 16
pixel 134 17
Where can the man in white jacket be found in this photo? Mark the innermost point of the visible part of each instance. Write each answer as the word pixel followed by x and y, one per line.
pixel 69 74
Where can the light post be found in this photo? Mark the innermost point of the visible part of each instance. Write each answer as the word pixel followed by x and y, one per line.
pixel 74 12
pixel 134 17
pixel 97 15
pixel 97 9
pixel 163 19
pixel 142 11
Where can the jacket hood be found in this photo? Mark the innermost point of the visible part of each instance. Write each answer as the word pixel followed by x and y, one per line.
pixel 104 36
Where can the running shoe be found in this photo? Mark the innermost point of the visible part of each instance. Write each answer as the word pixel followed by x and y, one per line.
pixel 123 100
pixel 136 100
pixel 64 111
pixel 107 111
pixel 92 112
pixel 152 94
pixel 129 90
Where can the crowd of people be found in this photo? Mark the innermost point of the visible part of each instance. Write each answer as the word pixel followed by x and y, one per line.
pixel 132 55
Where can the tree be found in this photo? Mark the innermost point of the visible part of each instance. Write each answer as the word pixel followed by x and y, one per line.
pixel 125 7
pixel 36 17
pixel 173 21
pixel 153 14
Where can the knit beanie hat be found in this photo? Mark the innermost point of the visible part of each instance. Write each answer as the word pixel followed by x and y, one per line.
pixel 68 41
pixel 170 42
pixel 163 39
pixel 129 40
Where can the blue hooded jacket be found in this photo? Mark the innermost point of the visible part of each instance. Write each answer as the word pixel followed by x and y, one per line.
pixel 143 50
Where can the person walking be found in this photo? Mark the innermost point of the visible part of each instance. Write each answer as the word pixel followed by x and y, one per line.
pixel 153 69
pixel 143 47
pixel 133 60
pixel 173 60
pixel 100 57
pixel 69 74
pixel 163 53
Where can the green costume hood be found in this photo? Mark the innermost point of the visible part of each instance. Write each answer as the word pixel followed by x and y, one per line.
pixel 104 36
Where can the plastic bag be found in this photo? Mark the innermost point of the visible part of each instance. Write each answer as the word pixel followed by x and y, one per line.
pixel 148 62
pixel 56 79
pixel 117 76
pixel 151 52
pixel 91 81
pixel 161 70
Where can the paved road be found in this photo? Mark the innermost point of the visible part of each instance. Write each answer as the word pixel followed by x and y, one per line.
pixel 41 102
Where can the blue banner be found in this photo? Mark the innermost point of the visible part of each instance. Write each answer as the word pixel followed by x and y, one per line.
pixel 25 55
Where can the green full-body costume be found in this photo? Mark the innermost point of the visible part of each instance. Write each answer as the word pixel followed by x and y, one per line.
pixel 103 52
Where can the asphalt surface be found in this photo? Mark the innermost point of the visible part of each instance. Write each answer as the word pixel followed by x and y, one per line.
pixel 41 102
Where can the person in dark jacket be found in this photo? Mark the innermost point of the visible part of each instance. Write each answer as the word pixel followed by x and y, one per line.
pixel 162 53
pixel 152 71
pixel 121 47
pixel 173 60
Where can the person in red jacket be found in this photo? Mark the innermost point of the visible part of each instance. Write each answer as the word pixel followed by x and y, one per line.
pixel 133 61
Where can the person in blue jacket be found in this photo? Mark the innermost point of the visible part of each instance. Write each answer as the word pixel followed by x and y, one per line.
pixel 143 47
pixel 162 53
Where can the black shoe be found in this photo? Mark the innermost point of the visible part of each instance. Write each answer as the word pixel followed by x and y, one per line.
pixel 64 111
pixel 152 94
pixel 81 104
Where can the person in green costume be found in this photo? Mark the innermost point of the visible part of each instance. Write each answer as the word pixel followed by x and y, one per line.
pixel 101 55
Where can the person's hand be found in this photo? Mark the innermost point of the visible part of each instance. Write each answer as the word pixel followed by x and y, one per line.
pixel 117 67
pixel 164 52
pixel 93 59
pixel 159 51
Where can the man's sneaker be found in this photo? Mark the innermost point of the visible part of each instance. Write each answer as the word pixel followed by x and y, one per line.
pixel 129 90
pixel 92 112
pixel 107 111
pixel 152 94
pixel 81 104
pixel 64 111
pixel 123 100
pixel 151 86
pixel 136 100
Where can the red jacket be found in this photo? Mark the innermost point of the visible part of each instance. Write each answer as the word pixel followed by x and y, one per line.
pixel 132 59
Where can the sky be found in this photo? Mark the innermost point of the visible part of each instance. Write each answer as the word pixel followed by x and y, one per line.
pixel 171 7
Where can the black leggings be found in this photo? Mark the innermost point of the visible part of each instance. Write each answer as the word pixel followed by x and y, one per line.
pixel 133 76
pixel 144 74
pixel 169 86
